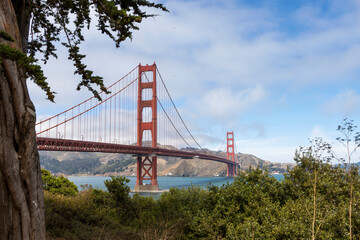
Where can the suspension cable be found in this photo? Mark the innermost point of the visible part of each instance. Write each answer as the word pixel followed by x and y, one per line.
pixel 86 99
pixel 178 111
pixel 222 143
pixel 86 110
pixel 169 117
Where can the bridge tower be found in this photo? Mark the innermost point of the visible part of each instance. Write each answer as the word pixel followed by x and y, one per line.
pixel 147 164
pixel 230 153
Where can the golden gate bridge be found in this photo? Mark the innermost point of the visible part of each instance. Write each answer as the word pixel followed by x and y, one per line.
pixel 138 117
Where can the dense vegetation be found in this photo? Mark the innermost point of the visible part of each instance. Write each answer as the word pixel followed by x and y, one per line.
pixel 254 206
pixel 58 185
pixel 316 200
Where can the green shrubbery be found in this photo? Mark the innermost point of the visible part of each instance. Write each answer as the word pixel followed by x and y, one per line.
pixel 316 200
pixel 58 185
pixel 254 206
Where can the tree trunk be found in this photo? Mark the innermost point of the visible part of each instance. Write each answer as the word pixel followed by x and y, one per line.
pixel 21 189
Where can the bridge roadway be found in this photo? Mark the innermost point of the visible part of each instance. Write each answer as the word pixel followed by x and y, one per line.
pixel 55 144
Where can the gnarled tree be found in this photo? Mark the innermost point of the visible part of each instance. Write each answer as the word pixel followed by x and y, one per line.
pixel 28 29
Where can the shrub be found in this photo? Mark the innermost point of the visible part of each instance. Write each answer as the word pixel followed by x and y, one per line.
pixel 58 185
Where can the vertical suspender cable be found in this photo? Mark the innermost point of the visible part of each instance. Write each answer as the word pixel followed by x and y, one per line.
pixel 178 112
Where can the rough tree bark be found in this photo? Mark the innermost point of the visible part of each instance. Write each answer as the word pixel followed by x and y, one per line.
pixel 21 190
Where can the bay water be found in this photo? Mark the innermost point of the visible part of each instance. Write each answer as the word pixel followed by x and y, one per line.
pixel 164 182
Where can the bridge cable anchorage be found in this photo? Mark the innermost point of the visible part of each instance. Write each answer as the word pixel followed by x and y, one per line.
pixel 178 112
pixel 168 117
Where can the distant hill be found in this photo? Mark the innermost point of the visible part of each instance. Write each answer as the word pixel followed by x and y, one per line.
pixel 345 165
pixel 77 163
pixel 82 163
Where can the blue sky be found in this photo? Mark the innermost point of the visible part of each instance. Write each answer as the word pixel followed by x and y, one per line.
pixel 275 72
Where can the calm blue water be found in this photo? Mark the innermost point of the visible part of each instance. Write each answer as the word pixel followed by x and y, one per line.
pixel 164 182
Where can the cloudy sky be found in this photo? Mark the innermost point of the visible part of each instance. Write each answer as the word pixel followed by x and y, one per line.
pixel 275 72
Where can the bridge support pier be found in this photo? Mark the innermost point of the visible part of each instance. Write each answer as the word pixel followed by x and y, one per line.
pixel 146 170
pixel 231 170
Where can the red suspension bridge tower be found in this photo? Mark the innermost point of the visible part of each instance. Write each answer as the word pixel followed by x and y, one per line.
pixel 230 153
pixel 147 164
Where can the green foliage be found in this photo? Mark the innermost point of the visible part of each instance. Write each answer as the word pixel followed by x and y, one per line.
pixel 347 129
pixel 103 199
pixel 6 36
pixel 320 191
pixel 79 217
pixel 254 206
pixel 58 185
pixel 242 210
pixel 31 70
pixel 351 142
pixel 51 18
pixel 118 188
pixel 312 202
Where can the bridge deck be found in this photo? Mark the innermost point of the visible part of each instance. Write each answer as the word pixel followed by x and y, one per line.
pixel 55 144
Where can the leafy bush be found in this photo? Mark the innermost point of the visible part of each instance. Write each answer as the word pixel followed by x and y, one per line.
pixel 311 201
pixel 58 185
pixel 82 217
pixel 118 188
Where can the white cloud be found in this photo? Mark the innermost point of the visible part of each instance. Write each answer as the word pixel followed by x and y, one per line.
pixel 346 102
pixel 198 43
pixel 226 103
pixel 258 128
pixel 219 59
pixel 317 131
pixel 272 149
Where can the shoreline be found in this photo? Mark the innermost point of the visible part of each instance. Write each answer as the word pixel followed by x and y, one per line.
pixel 108 175
pixel 148 191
